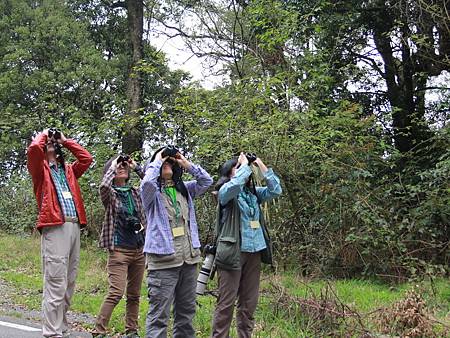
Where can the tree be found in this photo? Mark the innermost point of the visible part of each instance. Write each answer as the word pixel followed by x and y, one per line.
pixel 132 139
pixel 51 74
pixel 399 43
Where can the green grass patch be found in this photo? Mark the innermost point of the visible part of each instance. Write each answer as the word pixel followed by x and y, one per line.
pixel 20 266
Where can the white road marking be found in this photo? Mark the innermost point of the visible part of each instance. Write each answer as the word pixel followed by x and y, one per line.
pixel 19 327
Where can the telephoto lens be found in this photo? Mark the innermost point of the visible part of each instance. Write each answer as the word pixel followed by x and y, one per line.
pixel 206 270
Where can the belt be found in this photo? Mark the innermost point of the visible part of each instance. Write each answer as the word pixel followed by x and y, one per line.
pixel 71 219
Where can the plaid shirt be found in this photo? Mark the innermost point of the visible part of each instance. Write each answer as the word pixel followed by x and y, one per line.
pixel 111 203
pixel 60 181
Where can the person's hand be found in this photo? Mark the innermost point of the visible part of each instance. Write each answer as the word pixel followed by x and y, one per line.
pixel 261 165
pixel 114 164
pixel 62 139
pixel 132 164
pixel 182 161
pixel 159 157
pixel 258 162
pixel 242 160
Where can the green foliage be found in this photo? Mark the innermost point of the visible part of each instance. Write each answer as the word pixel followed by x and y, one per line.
pixel 17 205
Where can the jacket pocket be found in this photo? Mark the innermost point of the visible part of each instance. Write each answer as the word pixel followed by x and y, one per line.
pixel 228 251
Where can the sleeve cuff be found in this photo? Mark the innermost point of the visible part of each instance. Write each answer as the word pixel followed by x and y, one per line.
pixel 243 169
pixel 155 163
pixel 193 169
pixel 269 173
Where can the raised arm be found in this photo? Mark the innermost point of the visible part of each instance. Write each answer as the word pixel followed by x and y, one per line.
pixel 106 189
pixel 273 188
pixel 36 156
pixel 149 184
pixel 202 180
pixel 83 158
pixel 235 185
pixel 137 169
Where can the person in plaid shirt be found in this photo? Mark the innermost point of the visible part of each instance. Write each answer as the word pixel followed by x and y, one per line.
pixel 123 236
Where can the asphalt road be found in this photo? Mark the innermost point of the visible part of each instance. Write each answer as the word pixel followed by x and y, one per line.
pixel 20 328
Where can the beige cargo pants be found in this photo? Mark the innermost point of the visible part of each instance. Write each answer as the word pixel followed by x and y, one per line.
pixel 60 248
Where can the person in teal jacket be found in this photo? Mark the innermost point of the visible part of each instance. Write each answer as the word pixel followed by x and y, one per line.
pixel 242 242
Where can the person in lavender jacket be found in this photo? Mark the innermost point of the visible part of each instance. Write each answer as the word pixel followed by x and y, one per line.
pixel 172 244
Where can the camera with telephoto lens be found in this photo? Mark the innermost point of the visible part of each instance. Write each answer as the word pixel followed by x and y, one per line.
pixel 251 157
pixel 170 151
pixel 123 158
pixel 54 133
pixel 206 271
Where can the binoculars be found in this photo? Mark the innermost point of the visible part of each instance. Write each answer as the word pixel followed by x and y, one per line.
pixel 170 151
pixel 251 157
pixel 123 158
pixel 54 133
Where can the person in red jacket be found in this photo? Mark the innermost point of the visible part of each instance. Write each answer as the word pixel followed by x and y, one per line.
pixel 60 217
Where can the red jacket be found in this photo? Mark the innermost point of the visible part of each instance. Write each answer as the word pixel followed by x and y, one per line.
pixel 50 213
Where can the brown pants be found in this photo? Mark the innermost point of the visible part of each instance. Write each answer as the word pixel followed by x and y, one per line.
pixel 241 284
pixel 125 269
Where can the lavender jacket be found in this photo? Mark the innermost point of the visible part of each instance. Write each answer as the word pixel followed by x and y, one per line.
pixel 159 238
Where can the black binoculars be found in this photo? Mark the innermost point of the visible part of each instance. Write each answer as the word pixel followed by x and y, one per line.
pixel 170 151
pixel 123 158
pixel 251 157
pixel 54 133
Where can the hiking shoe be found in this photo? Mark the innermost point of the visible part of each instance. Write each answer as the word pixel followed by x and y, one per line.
pixel 132 335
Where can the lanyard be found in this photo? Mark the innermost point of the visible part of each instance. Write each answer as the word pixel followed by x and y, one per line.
pixel 247 196
pixel 61 177
pixel 130 204
pixel 171 192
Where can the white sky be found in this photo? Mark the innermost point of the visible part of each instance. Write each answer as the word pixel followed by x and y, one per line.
pixel 179 57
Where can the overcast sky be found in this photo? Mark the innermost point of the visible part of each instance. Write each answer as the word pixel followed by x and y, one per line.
pixel 180 57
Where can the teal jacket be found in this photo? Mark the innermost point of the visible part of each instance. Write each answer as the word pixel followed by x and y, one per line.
pixel 228 220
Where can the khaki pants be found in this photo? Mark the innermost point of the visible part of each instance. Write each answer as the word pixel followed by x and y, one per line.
pixel 60 249
pixel 125 270
pixel 241 284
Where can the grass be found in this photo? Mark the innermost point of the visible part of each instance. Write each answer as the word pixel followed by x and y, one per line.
pixel 20 266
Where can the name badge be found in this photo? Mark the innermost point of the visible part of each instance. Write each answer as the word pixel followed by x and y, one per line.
pixel 255 224
pixel 67 195
pixel 177 232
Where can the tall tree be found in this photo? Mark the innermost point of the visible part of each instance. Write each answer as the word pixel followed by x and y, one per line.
pixel 403 45
pixel 133 131
pixel 133 134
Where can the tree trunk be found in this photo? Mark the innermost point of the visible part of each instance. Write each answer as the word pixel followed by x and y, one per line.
pixel 408 122
pixel 132 139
